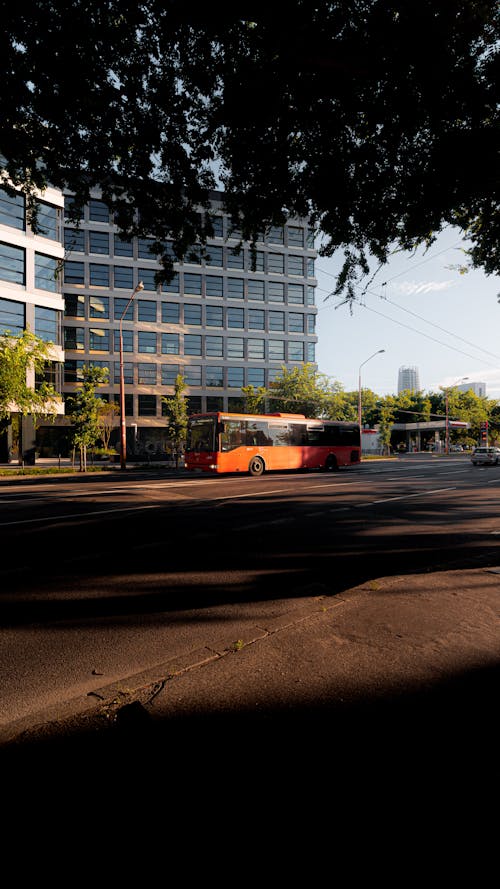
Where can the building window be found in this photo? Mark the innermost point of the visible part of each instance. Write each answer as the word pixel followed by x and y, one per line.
pixel 295 322
pixel 170 343
pixel 98 211
pixel 69 203
pixel 127 340
pixel 192 375
pixel 147 405
pixel 120 304
pixel 192 283
pixel 256 350
pixel 311 352
pixel 99 242
pixel 74 305
pixel 215 403
pixel 235 347
pixel 74 240
pixel 123 248
pixel 214 285
pixel 276 350
pixel 169 372
pixel 144 246
pixel 48 220
pixel 74 273
pixel 146 342
pixel 173 285
pixel 12 210
pixel 146 374
pixel 256 319
pixel 213 255
pixel 147 276
pixel 217 223
pixel 276 320
pixel 256 261
pixel 276 292
pixel 214 316
pixel 46 272
pixel 74 339
pixel 295 351
pixel 146 310
pixel 12 316
pixel 235 260
pixel 192 314
pixel 73 370
pixel 311 323
pixel 98 339
pixel 295 236
pixel 192 344
pixel 214 376
pixel 310 296
pixel 235 318
pixel 256 376
pixel 214 347
pixel 235 377
pixel 276 263
pixel 275 234
pixel 296 294
pixel 99 275
pixel 256 290
pixel 296 266
pixel 235 288
pixel 310 268
pixel 124 278
pixel 98 307
pixel 170 313
pixel 128 372
pixel 12 264
pixel 47 324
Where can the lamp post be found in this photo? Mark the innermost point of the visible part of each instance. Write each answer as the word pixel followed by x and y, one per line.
pixel 123 429
pixel 447 422
pixel 359 386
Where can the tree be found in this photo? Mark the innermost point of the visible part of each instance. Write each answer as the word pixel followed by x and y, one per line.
pixel 177 410
pixel 332 112
pixel 106 415
pixel 22 357
pixel 301 390
pixel 84 411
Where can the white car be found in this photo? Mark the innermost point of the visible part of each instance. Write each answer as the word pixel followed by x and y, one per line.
pixel 486 456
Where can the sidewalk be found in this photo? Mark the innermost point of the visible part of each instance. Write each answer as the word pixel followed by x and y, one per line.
pixel 402 671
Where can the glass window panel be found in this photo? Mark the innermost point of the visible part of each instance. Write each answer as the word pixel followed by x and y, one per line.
pixel 192 283
pixel 124 278
pixel 214 376
pixel 47 324
pixel 146 342
pixel 295 351
pixel 296 265
pixel 256 350
pixel 46 272
pixel 214 316
pixel 310 296
pixel 144 248
pixel 235 377
pixel 295 236
pixel 275 234
pixel 192 375
pixel 235 347
pixel 296 322
pixel 311 323
pixel 98 339
pixel 256 319
pixel 146 310
pixel 73 370
pixel 120 304
pixel 123 248
pixel 98 307
pixel 276 292
pixel 235 260
pixel 170 343
pixel 169 372
pixel 128 372
pixel 12 264
pixel 192 314
pixel 235 288
pixel 146 405
pixel 235 318
pixel 74 273
pixel 74 305
pixel 99 275
pixel 48 220
pixel 170 313
pixel 74 339
pixel 310 268
pixel 217 226
pixel 256 290
pixel 276 350
pixel 127 339
pixel 311 351
pixel 192 344
pixel 214 347
pixel 69 204
pixel 296 294
pixel 213 255
pixel 99 242
pixel 147 276
pixel 12 316
pixel 276 320
pixel 12 210
pixel 98 211
pixel 214 285
pixel 173 285
pixel 256 376
pixel 276 263
pixel 74 240
pixel 146 374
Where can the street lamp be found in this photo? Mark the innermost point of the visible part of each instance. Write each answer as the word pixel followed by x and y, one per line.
pixel 123 429
pixel 359 386
pixel 447 423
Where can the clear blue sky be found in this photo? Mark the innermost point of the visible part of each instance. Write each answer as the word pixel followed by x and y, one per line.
pixel 422 312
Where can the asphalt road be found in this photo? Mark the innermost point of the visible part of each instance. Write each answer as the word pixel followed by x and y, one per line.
pixel 111 576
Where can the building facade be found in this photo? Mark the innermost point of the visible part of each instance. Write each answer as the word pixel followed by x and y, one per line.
pixel 219 323
pixel 477 388
pixel 408 379
pixel 31 297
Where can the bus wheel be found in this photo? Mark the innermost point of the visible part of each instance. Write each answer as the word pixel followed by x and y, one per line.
pixel 256 466
pixel 331 464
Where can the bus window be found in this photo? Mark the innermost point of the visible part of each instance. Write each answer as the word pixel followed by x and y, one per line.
pixel 279 434
pixel 257 434
pixel 232 435
pixel 200 435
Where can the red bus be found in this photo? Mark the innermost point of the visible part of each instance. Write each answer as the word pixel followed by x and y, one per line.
pixel 254 443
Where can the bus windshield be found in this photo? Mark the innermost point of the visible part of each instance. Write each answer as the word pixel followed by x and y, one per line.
pixel 201 435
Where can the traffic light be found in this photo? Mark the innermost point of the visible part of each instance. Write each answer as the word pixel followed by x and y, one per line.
pixel 483 432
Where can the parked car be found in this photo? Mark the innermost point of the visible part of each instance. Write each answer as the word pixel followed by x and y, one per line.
pixel 486 456
pixel 456 449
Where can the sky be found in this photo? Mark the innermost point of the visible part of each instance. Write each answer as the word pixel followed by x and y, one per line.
pixel 422 312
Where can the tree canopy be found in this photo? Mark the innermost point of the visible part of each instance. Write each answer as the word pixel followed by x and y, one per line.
pixel 377 120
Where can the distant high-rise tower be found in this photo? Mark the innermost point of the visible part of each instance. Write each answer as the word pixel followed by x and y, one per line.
pixel 477 388
pixel 408 378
